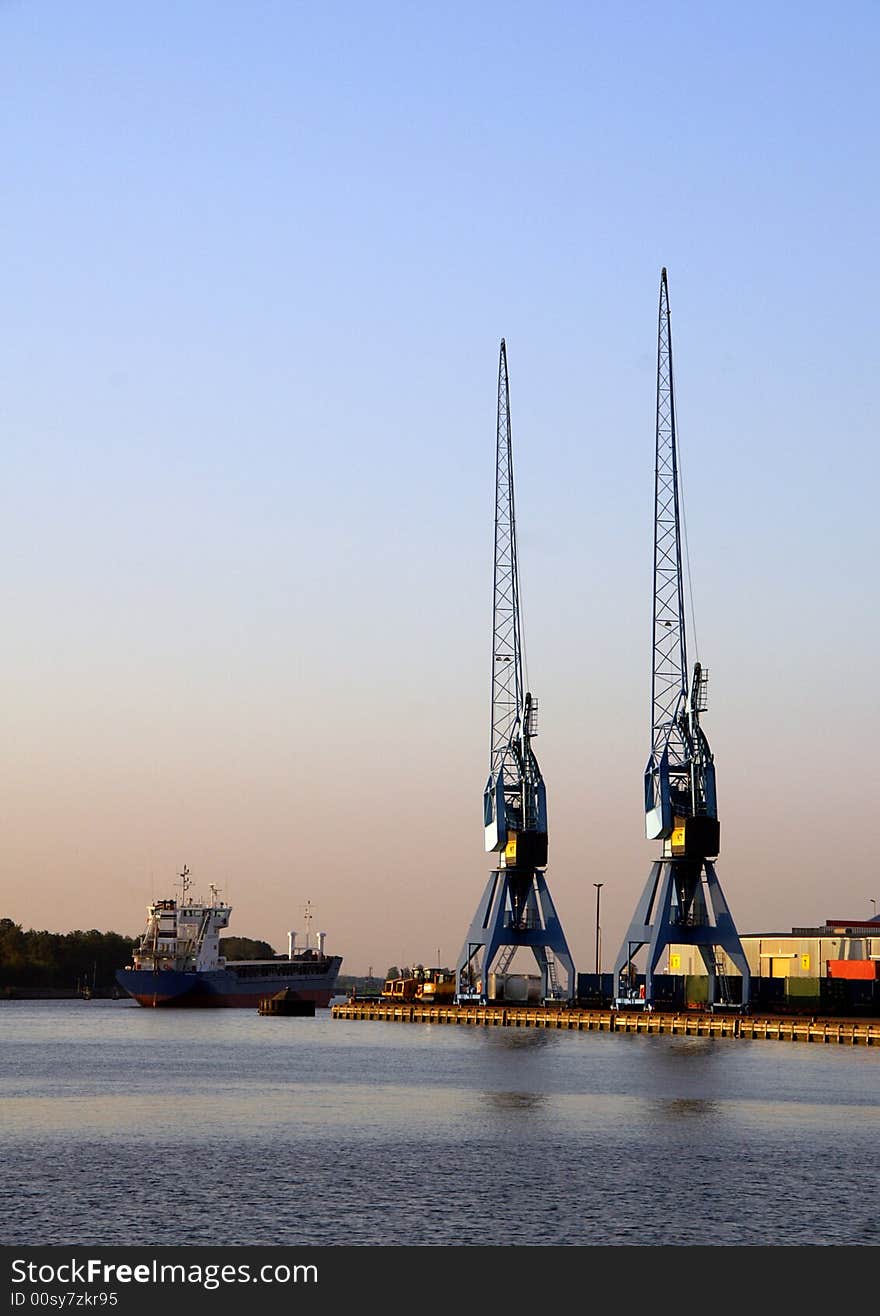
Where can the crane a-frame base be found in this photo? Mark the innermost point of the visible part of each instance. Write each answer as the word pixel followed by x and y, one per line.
pixel 683 905
pixel 515 910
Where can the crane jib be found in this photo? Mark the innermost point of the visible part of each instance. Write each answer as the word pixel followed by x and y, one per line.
pixel 516 909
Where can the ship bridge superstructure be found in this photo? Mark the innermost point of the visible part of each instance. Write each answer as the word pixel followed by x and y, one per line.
pixel 184 933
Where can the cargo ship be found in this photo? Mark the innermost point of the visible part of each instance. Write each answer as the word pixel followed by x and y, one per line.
pixel 178 961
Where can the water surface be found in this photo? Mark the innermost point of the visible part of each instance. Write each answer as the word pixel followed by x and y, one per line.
pixel 120 1125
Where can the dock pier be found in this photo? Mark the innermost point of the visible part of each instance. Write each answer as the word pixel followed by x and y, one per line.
pixel 685 1023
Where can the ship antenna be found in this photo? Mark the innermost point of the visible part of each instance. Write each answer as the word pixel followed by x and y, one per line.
pixel 185 883
pixel 308 918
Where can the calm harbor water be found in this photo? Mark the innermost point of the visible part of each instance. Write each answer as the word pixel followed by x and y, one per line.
pixel 120 1125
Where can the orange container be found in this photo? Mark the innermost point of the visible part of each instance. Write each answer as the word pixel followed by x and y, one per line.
pixel 852 968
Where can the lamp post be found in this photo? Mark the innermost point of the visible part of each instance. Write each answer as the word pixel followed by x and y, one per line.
pixel 874 903
pixel 598 886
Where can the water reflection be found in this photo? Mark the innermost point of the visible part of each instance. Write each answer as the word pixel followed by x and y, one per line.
pixel 685 1108
pixel 368 1119
pixel 695 1047
pixel 515 1101
pixel 507 1039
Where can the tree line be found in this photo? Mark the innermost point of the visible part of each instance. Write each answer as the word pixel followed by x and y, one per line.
pixel 83 961
pixel 61 960
pixel 78 961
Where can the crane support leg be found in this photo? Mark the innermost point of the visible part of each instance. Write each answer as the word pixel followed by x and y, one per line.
pixel 679 907
pixel 645 930
pixel 728 937
pixel 516 909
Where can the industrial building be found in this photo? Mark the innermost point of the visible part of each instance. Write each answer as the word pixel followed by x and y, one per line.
pixel 835 966
pixel 803 953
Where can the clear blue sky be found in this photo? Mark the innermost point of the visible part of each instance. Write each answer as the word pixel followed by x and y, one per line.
pixel 258 259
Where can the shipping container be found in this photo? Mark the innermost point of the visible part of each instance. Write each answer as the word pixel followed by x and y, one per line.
pixel 767 991
pixel 802 987
pixel 865 969
pixel 595 988
pixel 668 989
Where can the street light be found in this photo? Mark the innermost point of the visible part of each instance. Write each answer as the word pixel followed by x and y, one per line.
pixel 598 886
pixel 874 903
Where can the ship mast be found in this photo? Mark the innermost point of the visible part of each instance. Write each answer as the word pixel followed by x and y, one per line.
pixel 185 883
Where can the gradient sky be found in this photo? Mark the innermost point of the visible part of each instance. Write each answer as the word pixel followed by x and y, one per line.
pixel 257 262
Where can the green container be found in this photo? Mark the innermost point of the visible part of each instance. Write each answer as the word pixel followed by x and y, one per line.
pixel 801 987
pixel 696 989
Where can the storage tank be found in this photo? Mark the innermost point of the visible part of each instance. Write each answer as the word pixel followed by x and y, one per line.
pixel 523 987
pixel 519 988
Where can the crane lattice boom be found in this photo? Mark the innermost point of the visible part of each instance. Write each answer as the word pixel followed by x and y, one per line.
pixel 680 776
pixel 507 675
pixel 514 801
pixel 669 674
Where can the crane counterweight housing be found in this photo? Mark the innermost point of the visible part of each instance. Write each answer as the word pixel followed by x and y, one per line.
pixel 516 909
pixel 682 902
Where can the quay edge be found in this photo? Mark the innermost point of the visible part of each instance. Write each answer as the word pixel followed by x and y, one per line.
pixel 790 1028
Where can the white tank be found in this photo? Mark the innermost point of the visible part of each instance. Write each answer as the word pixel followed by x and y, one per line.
pixel 518 987
pixel 522 987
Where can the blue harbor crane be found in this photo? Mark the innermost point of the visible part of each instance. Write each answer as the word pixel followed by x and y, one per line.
pixel 515 909
pixel 682 902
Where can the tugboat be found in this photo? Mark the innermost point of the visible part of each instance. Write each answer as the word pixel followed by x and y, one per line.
pixel 178 960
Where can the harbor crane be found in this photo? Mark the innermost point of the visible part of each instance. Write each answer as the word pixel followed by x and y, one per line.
pixel 682 902
pixel 516 908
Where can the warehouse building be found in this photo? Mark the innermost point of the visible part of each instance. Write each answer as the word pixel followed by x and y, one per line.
pixel 835 966
pixel 833 950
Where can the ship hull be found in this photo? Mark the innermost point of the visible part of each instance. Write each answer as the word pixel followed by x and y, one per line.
pixel 226 988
